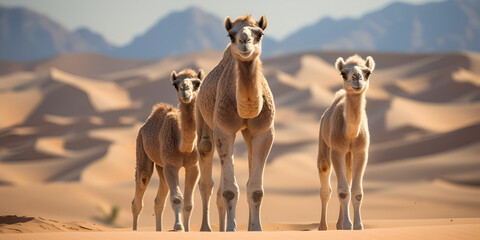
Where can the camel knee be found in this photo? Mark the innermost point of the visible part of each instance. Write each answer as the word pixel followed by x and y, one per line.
pixel 343 194
pixel 228 195
pixel 205 146
pixel 176 200
pixel 206 185
pixel 357 196
pixel 325 193
pixel 255 196
pixel 324 168
pixel 187 207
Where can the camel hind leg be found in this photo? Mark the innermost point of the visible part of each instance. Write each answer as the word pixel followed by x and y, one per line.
pixel 161 197
pixel 324 164
pixel 143 173
pixel 205 149
pixel 191 178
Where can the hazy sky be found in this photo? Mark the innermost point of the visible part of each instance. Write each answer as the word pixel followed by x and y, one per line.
pixel 119 21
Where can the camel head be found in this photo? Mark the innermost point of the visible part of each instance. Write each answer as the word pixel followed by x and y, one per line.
pixel 246 36
pixel 355 73
pixel 187 82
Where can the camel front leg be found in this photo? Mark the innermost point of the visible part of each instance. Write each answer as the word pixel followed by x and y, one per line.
pixel 224 143
pixel 191 178
pixel 261 146
pixel 222 212
pixel 205 150
pixel 160 199
pixel 176 199
pixel 359 165
pixel 343 189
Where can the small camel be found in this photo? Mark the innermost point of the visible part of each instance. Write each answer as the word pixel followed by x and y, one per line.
pixel 235 96
pixel 344 141
pixel 167 141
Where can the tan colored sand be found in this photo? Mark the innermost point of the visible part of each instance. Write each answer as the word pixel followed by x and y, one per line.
pixel 422 181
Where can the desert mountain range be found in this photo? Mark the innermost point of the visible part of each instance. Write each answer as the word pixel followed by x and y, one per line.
pixel 452 25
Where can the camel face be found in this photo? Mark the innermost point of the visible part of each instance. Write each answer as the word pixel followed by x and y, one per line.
pixel 187 85
pixel 355 79
pixel 246 36
pixel 355 73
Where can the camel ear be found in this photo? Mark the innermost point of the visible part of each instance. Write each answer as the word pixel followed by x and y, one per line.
pixel 370 63
pixel 201 74
pixel 262 23
pixel 174 76
pixel 228 23
pixel 339 64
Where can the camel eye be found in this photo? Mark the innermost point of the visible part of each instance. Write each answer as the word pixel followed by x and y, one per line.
pixel 367 74
pixel 196 85
pixel 259 37
pixel 258 34
pixel 232 38
pixel 175 85
pixel 344 75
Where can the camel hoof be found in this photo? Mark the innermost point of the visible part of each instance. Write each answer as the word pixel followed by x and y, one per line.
pixel 257 228
pixel 359 227
pixel 205 227
pixel 347 226
pixel 322 227
pixel 178 227
pixel 339 226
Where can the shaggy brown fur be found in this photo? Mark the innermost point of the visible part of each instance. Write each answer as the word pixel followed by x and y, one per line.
pixel 167 141
pixel 235 96
pixel 344 140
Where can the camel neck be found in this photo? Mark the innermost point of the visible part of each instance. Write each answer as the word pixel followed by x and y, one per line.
pixel 249 88
pixel 188 129
pixel 354 113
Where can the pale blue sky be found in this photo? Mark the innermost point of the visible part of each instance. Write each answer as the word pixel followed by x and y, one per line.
pixel 119 21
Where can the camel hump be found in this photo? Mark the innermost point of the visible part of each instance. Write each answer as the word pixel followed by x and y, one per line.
pixel 160 110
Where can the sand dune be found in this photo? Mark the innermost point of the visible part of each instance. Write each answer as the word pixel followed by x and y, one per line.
pixel 104 96
pixel 22 224
pixel 68 128
pixel 447 117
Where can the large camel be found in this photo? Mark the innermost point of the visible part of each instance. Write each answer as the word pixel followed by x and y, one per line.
pixel 344 140
pixel 235 96
pixel 167 141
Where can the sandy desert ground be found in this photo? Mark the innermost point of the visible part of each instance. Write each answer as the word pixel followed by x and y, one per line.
pixel 67 147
